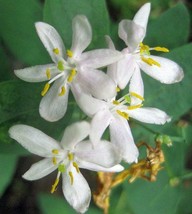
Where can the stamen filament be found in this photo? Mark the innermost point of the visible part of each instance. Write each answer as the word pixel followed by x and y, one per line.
pixel 45 90
pixel 76 167
pixel 71 177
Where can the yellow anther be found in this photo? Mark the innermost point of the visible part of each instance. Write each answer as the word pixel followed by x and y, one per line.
pixel 63 90
pixel 48 74
pixel 118 89
pixel 76 167
pixel 55 151
pixel 54 160
pixel 60 66
pixel 162 49
pixel 71 76
pixel 56 51
pixel 150 61
pixel 123 114
pixel 69 53
pixel 54 186
pixel 45 90
pixel 135 107
pixel 70 156
pixel 71 177
pixel 115 102
pixel 136 95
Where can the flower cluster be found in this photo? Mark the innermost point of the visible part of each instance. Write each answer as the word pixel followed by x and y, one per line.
pixel 97 94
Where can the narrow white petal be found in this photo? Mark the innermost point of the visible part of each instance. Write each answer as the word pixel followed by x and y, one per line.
pixel 40 169
pixel 35 73
pixel 99 84
pixel 103 154
pixel 149 115
pixel 97 168
pixel 99 123
pixel 121 137
pixel 131 33
pixel 74 134
pixel 51 40
pixel 99 58
pixel 136 86
pixel 169 72
pixel 82 34
pixel 77 194
pixel 53 106
pixel 142 16
pixel 110 43
pixel 33 140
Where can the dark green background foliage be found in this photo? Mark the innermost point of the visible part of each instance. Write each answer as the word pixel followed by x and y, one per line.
pixel 169 26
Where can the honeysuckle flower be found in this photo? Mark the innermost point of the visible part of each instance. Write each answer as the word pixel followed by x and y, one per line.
pixel 115 114
pixel 137 56
pixel 67 157
pixel 67 65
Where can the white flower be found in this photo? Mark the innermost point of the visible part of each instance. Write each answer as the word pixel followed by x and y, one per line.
pixel 137 56
pixel 69 65
pixel 68 156
pixel 115 114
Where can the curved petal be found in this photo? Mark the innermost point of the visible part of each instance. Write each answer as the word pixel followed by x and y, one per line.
pixel 52 106
pixel 74 134
pixel 121 137
pixel 40 169
pixel 169 72
pixel 97 168
pixel 99 123
pixel 34 140
pixel 99 58
pixel 149 115
pixel 51 40
pixel 98 83
pixel 136 86
pixel 82 34
pixel 35 73
pixel 104 154
pixel 131 33
pixel 110 43
pixel 77 194
pixel 142 15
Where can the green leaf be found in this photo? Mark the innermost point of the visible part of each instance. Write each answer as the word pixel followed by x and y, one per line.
pixel 60 13
pixel 171 29
pixel 7 166
pixel 17 29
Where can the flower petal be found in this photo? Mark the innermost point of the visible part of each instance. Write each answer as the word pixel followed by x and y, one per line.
pixel 99 123
pixel 40 169
pixel 51 40
pixel 82 34
pixel 35 73
pixel 131 33
pixel 53 106
pixel 149 115
pixel 99 58
pixel 98 83
pixel 169 72
pixel 121 137
pixel 104 154
pixel 95 167
pixel 77 194
pixel 74 134
pixel 142 15
pixel 34 140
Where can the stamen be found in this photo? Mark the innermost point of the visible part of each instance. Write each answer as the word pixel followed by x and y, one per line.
pixel 123 114
pixel 55 151
pixel 136 95
pixel 56 51
pixel 150 61
pixel 115 102
pixel 71 76
pixel 54 160
pixel 48 74
pixel 162 49
pixel 69 53
pixel 45 90
pixel 118 89
pixel 76 167
pixel 71 177
pixel 70 156
pixel 134 107
pixel 60 66
pixel 61 168
pixel 144 49
pixel 54 186
pixel 63 90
